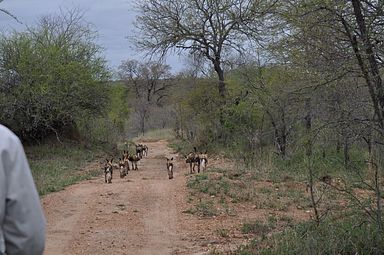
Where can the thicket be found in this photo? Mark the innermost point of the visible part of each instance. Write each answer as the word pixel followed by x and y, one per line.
pixel 53 82
pixel 310 101
pixel 56 95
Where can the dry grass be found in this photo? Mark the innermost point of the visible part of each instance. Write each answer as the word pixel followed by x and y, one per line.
pixel 55 166
pixel 155 135
pixel 254 208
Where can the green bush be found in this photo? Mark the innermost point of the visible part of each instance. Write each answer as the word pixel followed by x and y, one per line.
pixel 332 164
pixel 347 236
pixel 51 76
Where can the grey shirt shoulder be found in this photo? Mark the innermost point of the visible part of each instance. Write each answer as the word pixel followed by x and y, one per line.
pixel 22 222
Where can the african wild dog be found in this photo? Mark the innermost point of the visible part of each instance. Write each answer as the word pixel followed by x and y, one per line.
pixel 108 171
pixel 203 157
pixel 139 150
pixel 122 168
pixel 145 150
pixel 170 167
pixel 134 159
pixel 193 158
pixel 126 161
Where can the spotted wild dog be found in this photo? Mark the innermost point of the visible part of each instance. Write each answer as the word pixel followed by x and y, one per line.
pixel 126 161
pixel 203 157
pixel 122 168
pixel 145 150
pixel 115 166
pixel 170 167
pixel 139 150
pixel 193 159
pixel 108 171
pixel 134 159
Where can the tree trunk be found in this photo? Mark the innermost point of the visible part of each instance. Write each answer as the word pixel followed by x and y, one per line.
pixel 368 140
pixel 222 89
pixel 143 126
pixel 308 127
pixel 378 203
pixel 338 145
pixel 346 153
pixel 283 135
pixel 281 141
pixel 283 145
pixel 220 75
pixel 371 72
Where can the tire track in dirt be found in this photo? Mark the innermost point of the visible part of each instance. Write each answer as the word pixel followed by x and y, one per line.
pixel 140 214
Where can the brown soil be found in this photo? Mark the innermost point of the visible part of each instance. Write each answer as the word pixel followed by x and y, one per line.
pixel 143 213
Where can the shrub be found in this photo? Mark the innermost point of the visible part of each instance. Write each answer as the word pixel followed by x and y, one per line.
pixel 51 76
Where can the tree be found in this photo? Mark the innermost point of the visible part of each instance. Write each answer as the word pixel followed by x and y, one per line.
pixel 50 76
pixel 211 29
pixel 344 40
pixel 149 83
pixel 149 80
pixel 341 39
pixel 274 89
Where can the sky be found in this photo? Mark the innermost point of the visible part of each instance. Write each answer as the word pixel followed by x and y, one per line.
pixel 112 19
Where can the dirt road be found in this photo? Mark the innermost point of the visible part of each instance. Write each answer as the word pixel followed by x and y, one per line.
pixel 140 214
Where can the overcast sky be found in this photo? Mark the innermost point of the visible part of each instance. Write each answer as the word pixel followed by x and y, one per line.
pixel 112 19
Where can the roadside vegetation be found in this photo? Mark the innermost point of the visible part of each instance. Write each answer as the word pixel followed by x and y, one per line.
pixel 56 95
pixel 301 115
pixel 287 97
pixel 56 165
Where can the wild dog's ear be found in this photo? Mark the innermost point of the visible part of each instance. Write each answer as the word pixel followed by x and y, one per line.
pixel 172 158
pixel 119 159
pixel 194 148
pixel 107 160
pixel 111 160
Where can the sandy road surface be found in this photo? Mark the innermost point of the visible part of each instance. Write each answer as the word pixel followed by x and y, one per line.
pixel 140 214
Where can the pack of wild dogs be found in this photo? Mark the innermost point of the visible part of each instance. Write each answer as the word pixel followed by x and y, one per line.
pixel 124 162
pixel 195 160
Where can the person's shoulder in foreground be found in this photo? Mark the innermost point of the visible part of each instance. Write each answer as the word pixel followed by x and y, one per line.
pixel 22 222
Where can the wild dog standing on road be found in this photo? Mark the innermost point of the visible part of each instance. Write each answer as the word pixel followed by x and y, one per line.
pixel 108 171
pixel 134 159
pixel 145 150
pixel 170 167
pixel 203 157
pixel 122 168
pixel 139 150
pixel 126 161
pixel 193 158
